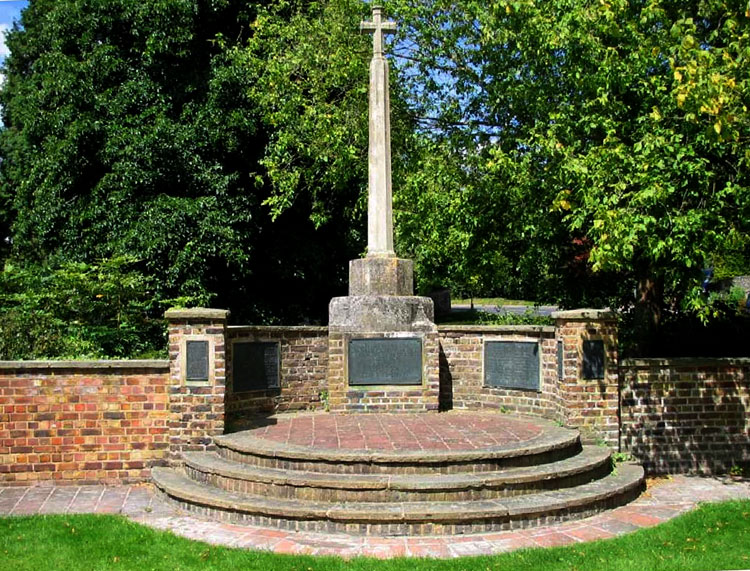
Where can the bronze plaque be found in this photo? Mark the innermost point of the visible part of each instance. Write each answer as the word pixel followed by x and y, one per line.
pixel 511 364
pixel 255 366
pixel 593 359
pixel 196 361
pixel 385 361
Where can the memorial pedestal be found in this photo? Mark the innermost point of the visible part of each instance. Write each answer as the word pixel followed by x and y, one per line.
pixel 383 352
pixel 381 313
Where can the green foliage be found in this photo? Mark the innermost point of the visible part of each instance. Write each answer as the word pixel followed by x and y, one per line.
pixel 208 139
pixel 478 317
pixel 452 221
pixel 720 330
pixel 308 79
pixel 79 310
pixel 732 258
pixel 528 317
pixel 547 150
pixel 571 137
pixel 108 149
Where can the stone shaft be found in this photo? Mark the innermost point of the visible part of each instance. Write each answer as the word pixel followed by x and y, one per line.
pixel 379 207
pixel 379 211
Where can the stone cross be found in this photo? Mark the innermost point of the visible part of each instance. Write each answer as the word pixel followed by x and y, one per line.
pixel 379 207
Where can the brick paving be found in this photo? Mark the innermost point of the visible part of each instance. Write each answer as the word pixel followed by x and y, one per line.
pixel 399 432
pixel 663 500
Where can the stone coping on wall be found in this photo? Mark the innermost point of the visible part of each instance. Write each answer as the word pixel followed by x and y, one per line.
pixel 278 328
pixel 684 362
pixel 322 329
pixel 196 314
pixel 585 314
pixel 538 329
pixel 100 365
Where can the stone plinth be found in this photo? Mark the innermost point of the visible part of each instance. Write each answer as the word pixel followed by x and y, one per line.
pixel 382 317
pixel 381 275
pixel 380 313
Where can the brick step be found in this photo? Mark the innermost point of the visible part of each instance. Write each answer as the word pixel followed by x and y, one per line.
pixel 552 445
pixel 403 518
pixel 592 463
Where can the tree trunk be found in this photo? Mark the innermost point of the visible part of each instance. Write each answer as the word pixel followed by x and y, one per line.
pixel 648 313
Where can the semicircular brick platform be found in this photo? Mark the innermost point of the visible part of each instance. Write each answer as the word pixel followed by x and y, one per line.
pixel 404 474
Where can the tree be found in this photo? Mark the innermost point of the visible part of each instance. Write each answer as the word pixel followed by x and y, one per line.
pixel 620 126
pixel 106 151
pixel 207 139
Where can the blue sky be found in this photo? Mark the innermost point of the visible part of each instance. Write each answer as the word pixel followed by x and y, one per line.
pixel 10 10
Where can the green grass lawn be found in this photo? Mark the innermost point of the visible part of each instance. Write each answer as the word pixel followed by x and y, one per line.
pixel 716 536
pixel 493 301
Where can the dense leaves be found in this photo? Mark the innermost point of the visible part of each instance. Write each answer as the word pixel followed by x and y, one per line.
pixel 167 132
pixel 608 136
pixel 78 310
pixel 104 149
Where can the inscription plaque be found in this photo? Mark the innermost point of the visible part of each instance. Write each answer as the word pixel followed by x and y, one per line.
pixel 560 357
pixel 511 364
pixel 593 359
pixel 255 366
pixel 385 361
pixel 196 361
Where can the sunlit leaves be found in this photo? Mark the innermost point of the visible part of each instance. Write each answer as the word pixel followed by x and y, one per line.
pixel 629 116
pixel 308 69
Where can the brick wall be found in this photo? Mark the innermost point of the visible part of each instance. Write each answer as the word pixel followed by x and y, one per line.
pixel 462 370
pixel 99 421
pixel 383 398
pixel 686 415
pixel 111 421
pixel 303 370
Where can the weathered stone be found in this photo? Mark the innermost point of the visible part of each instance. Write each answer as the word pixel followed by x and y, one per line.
pixel 592 463
pixel 585 315
pixel 381 276
pixel 114 364
pixel 196 314
pixel 424 517
pixel 552 444
pixel 379 207
pixel 381 313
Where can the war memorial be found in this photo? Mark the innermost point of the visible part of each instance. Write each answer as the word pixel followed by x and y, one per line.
pixel 381 423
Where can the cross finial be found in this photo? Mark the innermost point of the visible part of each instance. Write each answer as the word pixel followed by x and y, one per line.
pixel 378 28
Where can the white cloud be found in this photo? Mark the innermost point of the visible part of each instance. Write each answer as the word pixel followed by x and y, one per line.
pixel 3 48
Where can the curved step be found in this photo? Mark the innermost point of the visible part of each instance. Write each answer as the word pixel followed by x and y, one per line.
pixel 552 445
pixel 399 518
pixel 209 468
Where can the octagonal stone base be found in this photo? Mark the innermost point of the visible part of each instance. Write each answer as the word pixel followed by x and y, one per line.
pixel 381 313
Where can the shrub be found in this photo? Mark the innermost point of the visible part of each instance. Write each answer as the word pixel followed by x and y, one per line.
pixel 78 310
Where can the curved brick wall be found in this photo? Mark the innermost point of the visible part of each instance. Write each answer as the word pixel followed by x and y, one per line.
pixel 111 421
